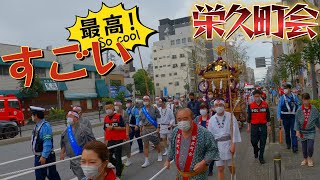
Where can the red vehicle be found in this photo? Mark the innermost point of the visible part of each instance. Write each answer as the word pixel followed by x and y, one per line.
pixel 10 109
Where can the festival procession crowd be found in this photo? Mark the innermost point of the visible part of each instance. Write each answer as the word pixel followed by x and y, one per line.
pixel 198 134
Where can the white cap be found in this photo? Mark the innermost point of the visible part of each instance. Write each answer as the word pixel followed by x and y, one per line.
pixel 35 108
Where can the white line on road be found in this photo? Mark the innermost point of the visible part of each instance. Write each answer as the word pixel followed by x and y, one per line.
pixel 20 159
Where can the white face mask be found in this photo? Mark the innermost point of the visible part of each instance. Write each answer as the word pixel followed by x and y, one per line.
pixel 184 125
pixel 128 105
pixel 210 96
pixel 286 91
pixel 116 108
pixel 219 110
pixel 203 112
pixel 109 111
pixel 146 103
pixel 90 171
pixel 157 102
pixel 69 121
pixel 182 99
pixel 32 117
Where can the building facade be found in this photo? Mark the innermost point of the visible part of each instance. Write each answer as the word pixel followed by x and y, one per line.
pixel 175 58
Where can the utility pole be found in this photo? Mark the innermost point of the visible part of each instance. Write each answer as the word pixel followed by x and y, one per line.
pixel 107 77
pixel 58 90
pixel 145 74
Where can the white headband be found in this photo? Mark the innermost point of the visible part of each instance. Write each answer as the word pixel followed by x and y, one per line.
pixel 73 113
pixel 217 101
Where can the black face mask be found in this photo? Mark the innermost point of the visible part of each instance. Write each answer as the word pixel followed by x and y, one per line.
pixel 191 99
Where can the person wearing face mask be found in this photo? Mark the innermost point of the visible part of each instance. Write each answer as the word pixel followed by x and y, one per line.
pixel 183 101
pixel 307 119
pixel 156 100
pixel 258 124
pixel 73 140
pixel 170 104
pixel 42 145
pixel 220 127
pixel 126 148
pixel 95 162
pixel 203 120
pixel 148 117
pixel 134 120
pixel 115 133
pixel 194 105
pixel 287 107
pixel 166 122
pixel 192 147
pixel 82 119
pixel 176 107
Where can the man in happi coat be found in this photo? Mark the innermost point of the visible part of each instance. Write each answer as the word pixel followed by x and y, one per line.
pixel 192 148
pixel 220 127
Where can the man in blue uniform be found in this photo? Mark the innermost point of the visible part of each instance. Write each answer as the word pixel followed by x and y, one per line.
pixel 194 105
pixel 287 107
pixel 42 146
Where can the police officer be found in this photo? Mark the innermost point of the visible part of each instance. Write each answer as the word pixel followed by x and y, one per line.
pixel 42 146
pixel 258 119
pixel 82 120
pixel 287 108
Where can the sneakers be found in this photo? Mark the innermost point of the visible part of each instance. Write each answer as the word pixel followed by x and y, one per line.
pixel 165 153
pixel 304 162
pixel 128 163
pixel 310 162
pixel 117 178
pixel 159 157
pixel 146 164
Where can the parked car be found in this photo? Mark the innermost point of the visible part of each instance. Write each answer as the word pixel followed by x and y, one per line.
pixel 8 129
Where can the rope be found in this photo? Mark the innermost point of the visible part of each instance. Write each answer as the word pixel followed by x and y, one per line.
pixel 69 159
pixel 160 172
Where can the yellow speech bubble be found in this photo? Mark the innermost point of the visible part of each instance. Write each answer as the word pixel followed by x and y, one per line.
pixel 109 26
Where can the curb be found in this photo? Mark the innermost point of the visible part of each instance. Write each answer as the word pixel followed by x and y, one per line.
pixel 27 138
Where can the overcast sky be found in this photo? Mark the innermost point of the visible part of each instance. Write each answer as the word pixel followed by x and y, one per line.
pixel 39 23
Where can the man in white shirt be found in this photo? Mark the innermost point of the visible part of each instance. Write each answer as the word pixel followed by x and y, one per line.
pixel 220 127
pixel 166 122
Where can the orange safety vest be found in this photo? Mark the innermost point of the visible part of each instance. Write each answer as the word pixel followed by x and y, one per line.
pixel 259 112
pixel 114 134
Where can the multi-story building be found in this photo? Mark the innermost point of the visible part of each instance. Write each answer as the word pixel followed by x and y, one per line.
pixel 250 73
pixel 175 57
pixel 85 92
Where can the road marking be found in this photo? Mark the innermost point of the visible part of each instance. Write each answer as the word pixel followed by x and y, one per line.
pixel 20 159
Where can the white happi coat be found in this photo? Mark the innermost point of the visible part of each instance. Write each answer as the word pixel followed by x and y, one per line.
pixel 224 146
pixel 167 118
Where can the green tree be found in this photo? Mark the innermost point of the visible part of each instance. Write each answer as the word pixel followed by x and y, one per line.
pixel 311 53
pixel 290 65
pixel 139 82
pixel 33 91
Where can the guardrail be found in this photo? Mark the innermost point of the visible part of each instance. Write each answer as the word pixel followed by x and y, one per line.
pixel 30 170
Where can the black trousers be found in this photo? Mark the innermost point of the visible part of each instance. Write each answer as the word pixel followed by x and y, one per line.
pixel 48 172
pixel 133 133
pixel 259 133
pixel 117 151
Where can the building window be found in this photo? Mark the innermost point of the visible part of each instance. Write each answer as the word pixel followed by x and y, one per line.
pixel 41 72
pixel 172 42
pixel 4 70
pixel 174 56
pixel 174 65
pixel 164 65
pixel 89 104
pixel 160 57
pixel 168 57
pixel 170 83
pixel 156 67
pixel 183 40
pixel 163 75
pixel 183 64
pixel 157 75
pixel 176 83
pixel 175 73
pixel 155 58
pixel 154 50
pixel 189 39
pixel 169 65
pixel 160 66
pixel 157 84
pixel 182 56
pixel 170 74
pixel 76 103
pixel 178 41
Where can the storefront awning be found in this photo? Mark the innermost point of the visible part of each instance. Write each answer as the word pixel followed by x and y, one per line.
pixel 101 88
pixel 77 96
pixel 41 64
pixel 51 85
pixel 5 63
pixel 88 67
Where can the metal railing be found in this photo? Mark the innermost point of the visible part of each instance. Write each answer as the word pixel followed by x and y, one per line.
pixel 68 159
